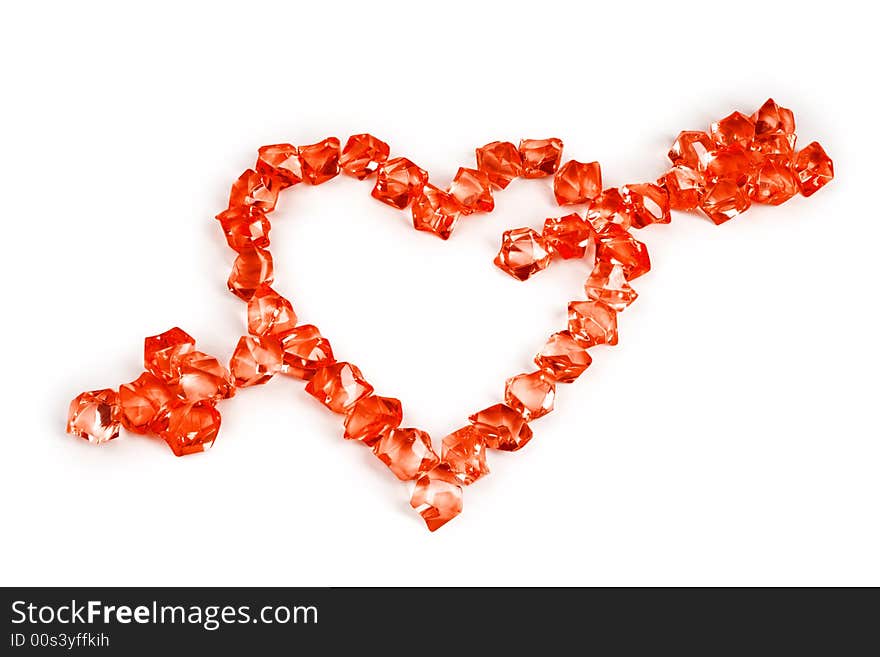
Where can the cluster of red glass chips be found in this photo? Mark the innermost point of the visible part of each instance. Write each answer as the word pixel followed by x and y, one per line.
pixel 742 159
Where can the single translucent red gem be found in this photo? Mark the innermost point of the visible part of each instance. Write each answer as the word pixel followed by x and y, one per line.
pixel 609 208
pixel 464 451
pixel 305 351
pixel 523 252
pixel 160 350
pixel 500 161
pixel 577 182
pixel 256 360
pixel 251 269
pixel 723 200
pixel 540 157
pixel 690 148
pixel 437 497
pixel 398 181
pixel 569 236
pixel 201 377
pixel 320 162
pixel 593 322
pixel 362 155
pixel 94 416
pixel 775 182
pixel 245 227
pixel 773 118
pixel 435 211
pixel 502 427
pixel 191 428
pixel 253 189
pixel 530 394
pixel 736 128
pixel 607 283
pixel 144 403
pixel 338 386
pixel 617 245
pixel 564 357
pixel 372 417
pixel 407 452
pixel 473 191
pixel 774 129
pixel 732 163
pixel 269 313
pixel 280 163
pixel 775 144
pixel 648 204
pixel 813 168
pixel 684 187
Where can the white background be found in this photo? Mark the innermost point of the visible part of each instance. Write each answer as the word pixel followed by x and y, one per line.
pixel 730 438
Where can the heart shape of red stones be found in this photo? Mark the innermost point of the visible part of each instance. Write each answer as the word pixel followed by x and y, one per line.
pixel 740 160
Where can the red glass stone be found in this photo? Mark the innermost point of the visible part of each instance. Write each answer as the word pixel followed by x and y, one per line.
pixel 609 208
pixel 191 428
pixel 593 322
pixel 245 227
pixel 338 386
pixel 690 148
pixel 724 200
pixel 94 416
pixel 160 350
pixel 372 417
pixel 473 191
pixel 362 155
pixel 540 157
pixel 201 377
pixel 564 358
pixel 813 168
pixel 684 187
pixel 280 163
pixel 406 452
pixel 733 163
pixel 143 404
pixel 617 245
pixel 305 351
pixel 577 182
pixel 772 118
pixel 775 144
pixel 500 161
pixel 775 182
pixel 464 451
pixel 252 268
pixel 736 128
pixel 530 394
pixel 569 236
pixel 502 427
pixel 437 497
pixel 523 253
pixel 269 313
pixel 435 211
pixel 648 204
pixel 253 190
pixel 398 181
pixel 320 162
pixel 607 283
pixel 256 360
